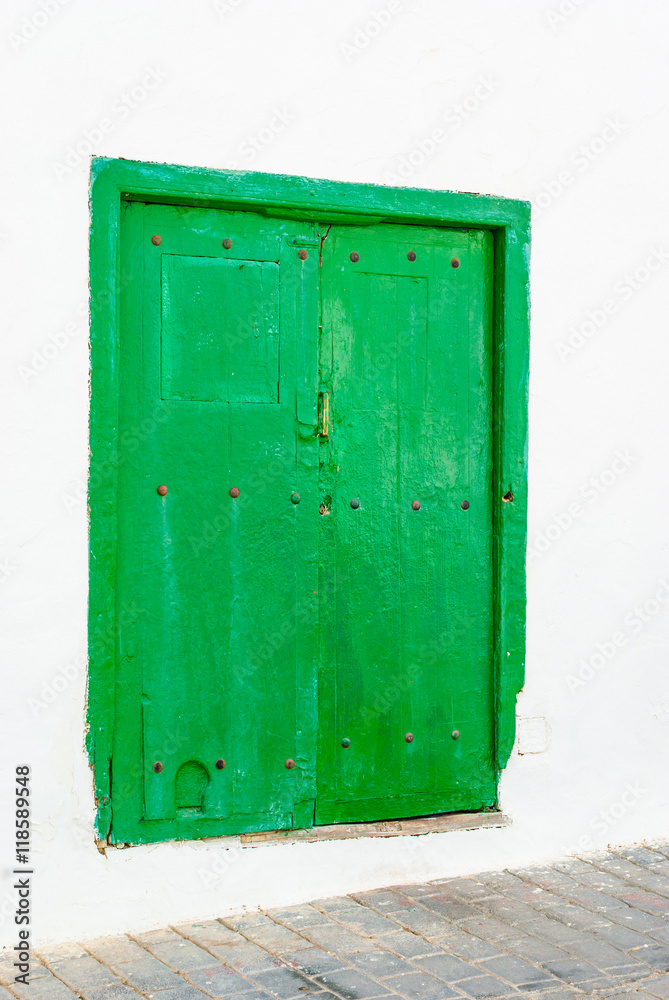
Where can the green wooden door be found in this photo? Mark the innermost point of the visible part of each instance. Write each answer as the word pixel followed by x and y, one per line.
pixel 406 681
pixel 284 656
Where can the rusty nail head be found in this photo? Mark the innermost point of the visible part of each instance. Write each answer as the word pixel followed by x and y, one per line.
pixel 156 240
pixel 157 767
pixel 162 490
pixel 415 505
pixel 302 254
pixel 346 743
pixel 411 255
pixel 355 504
pixel 455 735
pixel 290 764
pixel 465 504
pixel 220 764
pixel 295 498
pixel 409 737
pixel 234 492
pixel 455 262
pixel 227 244
pixel 355 257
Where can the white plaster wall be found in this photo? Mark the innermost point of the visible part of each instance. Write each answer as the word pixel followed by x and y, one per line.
pixel 540 79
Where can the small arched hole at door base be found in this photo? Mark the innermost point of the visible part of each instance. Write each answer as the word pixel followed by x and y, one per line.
pixel 190 785
pixel 508 497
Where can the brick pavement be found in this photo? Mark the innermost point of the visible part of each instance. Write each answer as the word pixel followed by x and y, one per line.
pixel 593 926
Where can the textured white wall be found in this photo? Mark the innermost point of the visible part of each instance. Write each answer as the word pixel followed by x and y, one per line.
pixel 560 101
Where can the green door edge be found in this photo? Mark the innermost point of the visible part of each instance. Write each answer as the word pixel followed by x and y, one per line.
pixel 113 181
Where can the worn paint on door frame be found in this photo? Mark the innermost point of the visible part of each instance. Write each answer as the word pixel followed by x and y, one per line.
pixel 115 181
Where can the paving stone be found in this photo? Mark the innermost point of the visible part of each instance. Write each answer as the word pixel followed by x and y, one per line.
pixel 450 907
pixel 472 948
pixel 655 955
pixel 333 937
pixel 207 932
pixel 382 900
pixel 266 933
pixel 479 887
pixel 448 968
pixel 184 992
pixel 572 971
pixel 407 945
pixel 47 988
pixel 219 981
pixel 533 949
pixel 286 984
pixel 333 903
pixel 488 928
pixel 148 974
pixel 380 964
pixel 639 855
pixel 419 986
pixel 558 995
pixel 245 957
pixel 415 890
pixel 116 950
pixel 628 994
pixel 147 938
pixel 486 986
pixel 576 916
pixel 365 921
pixel 571 866
pixel 181 955
pixel 622 937
pixel 600 954
pixel 427 924
pixel 518 972
pixel 511 911
pixel 297 917
pixel 550 930
pixel 313 961
pixel 81 972
pixel 660 934
pixel 639 920
pixel 352 985
pixel 117 992
pixel 61 953
pixel 658 987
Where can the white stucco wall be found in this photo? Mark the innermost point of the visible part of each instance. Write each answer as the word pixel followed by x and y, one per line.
pixel 560 101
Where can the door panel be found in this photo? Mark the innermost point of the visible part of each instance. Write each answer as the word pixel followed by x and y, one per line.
pixel 218 660
pixel 406 595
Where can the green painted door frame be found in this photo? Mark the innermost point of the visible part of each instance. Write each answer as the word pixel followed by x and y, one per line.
pixel 116 183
